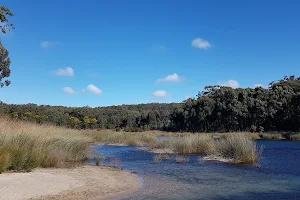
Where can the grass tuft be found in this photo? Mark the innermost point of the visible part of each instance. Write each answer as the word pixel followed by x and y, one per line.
pixel 238 148
pixel 24 146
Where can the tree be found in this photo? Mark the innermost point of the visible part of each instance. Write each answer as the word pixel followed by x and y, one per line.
pixel 4 66
pixel 4 14
pixel 4 59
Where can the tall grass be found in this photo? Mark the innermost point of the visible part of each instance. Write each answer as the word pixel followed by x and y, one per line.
pixel 126 138
pixel 189 144
pixel 24 146
pixel 238 148
pixel 295 136
pixel 271 136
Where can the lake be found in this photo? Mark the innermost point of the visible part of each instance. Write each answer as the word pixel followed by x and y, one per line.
pixel 277 178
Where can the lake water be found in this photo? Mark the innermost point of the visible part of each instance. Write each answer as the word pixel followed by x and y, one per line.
pixel 277 178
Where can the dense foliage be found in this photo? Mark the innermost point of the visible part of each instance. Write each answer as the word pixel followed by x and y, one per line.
pixel 225 109
pixel 4 59
pixel 128 117
pixel 218 108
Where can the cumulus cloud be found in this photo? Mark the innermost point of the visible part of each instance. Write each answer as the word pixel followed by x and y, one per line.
pixel 93 89
pixel 160 94
pixel 201 44
pixel 68 90
pixel 170 78
pixel 47 44
pixel 231 83
pixel 65 72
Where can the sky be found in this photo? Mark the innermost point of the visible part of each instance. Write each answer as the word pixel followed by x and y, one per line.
pixel 112 52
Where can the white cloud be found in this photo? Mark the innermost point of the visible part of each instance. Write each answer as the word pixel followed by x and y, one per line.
pixel 68 90
pixel 47 44
pixel 93 89
pixel 231 83
pixel 65 72
pixel 160 94
pixel 170 78
pixel 200 43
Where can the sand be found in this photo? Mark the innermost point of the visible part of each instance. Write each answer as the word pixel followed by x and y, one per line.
pixel 86 182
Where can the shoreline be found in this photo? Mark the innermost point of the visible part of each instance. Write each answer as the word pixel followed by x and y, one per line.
pixel 85 182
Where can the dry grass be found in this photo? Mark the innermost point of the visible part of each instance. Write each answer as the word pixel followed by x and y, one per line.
pixel 126 138
pixel 271 136
pixel 197 143
pixel 238 148
pixel 24 146
pixel 295 136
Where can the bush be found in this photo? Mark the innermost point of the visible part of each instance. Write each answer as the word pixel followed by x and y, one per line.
pixel 253 129
pixel 260 129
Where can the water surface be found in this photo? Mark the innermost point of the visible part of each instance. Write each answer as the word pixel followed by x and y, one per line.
pixel 277 178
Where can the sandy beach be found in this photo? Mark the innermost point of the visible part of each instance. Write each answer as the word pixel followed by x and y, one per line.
pixel 86 182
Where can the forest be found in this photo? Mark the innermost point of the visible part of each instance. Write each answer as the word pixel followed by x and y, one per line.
pixel 216 109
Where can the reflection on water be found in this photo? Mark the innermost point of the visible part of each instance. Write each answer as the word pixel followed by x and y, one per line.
pixel 278 177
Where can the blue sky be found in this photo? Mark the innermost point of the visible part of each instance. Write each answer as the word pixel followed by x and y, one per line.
pixel 100 53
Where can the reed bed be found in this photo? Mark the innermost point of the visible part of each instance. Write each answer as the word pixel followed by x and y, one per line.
pixel 24 146
pixel 124 138
pixel 295 136
pixel 271 136
pixel 237 147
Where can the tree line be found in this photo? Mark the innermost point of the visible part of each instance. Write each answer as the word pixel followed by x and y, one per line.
pixel 218 108
pixel 215 109
pixel 153 116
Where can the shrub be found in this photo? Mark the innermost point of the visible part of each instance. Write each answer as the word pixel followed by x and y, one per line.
pixel 260 129
pixel 253 129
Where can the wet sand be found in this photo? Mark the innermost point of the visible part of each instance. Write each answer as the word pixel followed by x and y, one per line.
pixel 87 182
